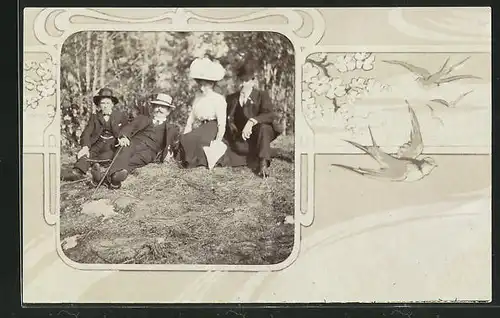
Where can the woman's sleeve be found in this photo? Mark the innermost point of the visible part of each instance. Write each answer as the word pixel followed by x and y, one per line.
pixel 220 112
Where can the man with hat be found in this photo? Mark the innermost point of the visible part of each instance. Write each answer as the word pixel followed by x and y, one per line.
pixel 143 140
pixel 251 122
pixel 99 137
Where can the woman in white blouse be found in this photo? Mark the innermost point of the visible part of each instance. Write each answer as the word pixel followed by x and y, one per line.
pixel 207 121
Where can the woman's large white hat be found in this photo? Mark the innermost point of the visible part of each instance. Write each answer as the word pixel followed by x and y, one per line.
pixel 204 68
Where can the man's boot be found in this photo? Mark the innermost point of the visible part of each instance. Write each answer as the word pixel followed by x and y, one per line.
pixel 116 179
pixel 73 174
pixel 96 173
pixel 264 170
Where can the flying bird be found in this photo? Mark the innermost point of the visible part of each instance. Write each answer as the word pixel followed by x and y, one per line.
pixel 427 78
pixel 451 104
pixel 404 166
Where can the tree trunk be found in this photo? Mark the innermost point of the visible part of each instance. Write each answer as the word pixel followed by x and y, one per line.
pixel 87 62
pixel 77 68
pixel 96 77
pixel 285 101
pixel 103 59
pixel 158 61
pixel 144 69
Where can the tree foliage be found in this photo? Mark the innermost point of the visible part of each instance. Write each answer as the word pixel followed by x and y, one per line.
pixel 138 64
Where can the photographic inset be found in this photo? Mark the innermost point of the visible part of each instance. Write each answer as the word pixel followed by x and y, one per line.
pixel 177 148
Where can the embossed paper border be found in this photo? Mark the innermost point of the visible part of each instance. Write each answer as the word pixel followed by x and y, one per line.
pixel 317 245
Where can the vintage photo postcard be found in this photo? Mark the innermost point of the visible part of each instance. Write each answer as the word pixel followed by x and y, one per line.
pixel 256 155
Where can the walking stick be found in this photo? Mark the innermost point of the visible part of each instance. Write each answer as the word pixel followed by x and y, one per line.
pixel 107 170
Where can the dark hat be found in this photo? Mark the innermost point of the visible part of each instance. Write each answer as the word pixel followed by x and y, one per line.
pixel 247 69
pixel 105 93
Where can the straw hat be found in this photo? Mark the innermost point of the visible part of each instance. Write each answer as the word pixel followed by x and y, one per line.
pixel 204 68
pixel 163 100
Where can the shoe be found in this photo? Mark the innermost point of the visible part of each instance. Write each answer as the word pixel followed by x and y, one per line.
pixel 264 170
pixel 96 173
pixel 72 175
pixel 117 178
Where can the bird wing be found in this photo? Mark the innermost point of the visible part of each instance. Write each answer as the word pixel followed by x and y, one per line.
pixel 459 98
pixel 443 68
pixel 456 78
pixel 414 147
pixel 397 173
pixel 454 66
pixel 412 68
pixel 440 101
pixel 384 160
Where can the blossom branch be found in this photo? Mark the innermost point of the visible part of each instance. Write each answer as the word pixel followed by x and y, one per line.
pixel 320 64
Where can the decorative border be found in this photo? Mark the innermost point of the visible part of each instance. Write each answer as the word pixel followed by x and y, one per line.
pixel 174 20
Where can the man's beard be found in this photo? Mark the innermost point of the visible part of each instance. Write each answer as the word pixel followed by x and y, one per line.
pixel 159 118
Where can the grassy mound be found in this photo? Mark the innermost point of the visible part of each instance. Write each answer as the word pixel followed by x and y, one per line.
pixel 166 215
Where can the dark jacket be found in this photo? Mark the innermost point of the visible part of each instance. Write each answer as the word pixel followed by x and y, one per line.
pixel 143 129
pixel 257 106
pixel 95 127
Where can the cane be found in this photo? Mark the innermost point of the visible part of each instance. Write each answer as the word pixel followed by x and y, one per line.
pixel 107 170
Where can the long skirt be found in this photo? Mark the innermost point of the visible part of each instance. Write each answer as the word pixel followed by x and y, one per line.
pixel 191 145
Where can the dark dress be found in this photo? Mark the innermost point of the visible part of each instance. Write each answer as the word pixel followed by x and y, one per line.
pixel 191 144
pixel 207 112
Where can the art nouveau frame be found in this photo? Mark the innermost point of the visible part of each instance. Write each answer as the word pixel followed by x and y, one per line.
pixel 179 21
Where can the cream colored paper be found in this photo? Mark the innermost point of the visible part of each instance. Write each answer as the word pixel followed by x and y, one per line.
pixel 357 239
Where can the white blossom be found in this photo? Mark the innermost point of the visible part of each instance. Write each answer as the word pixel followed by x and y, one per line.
pixel 31 101
pixel 309 72
pixel 317 57
pixel 337 88
pixel 47 69
pixel 46 88
pixel 29 83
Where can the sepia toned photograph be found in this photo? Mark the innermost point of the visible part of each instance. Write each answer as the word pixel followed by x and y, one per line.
pixel 177 148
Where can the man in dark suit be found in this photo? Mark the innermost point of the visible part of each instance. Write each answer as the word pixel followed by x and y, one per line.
pixel 144 140
pixel 251 122
pixel 99 137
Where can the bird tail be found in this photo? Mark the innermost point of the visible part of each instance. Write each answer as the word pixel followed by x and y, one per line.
pixel 359 146
pixel 459 98
pixel 374 143
pixel 371 173
pixel 410 109
pixel 353 169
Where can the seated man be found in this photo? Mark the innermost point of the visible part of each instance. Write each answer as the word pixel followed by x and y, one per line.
pixel 250 125
pixel 99 137
pixel 142 141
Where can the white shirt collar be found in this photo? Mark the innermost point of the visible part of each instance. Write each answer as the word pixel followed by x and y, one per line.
pixel 245 95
